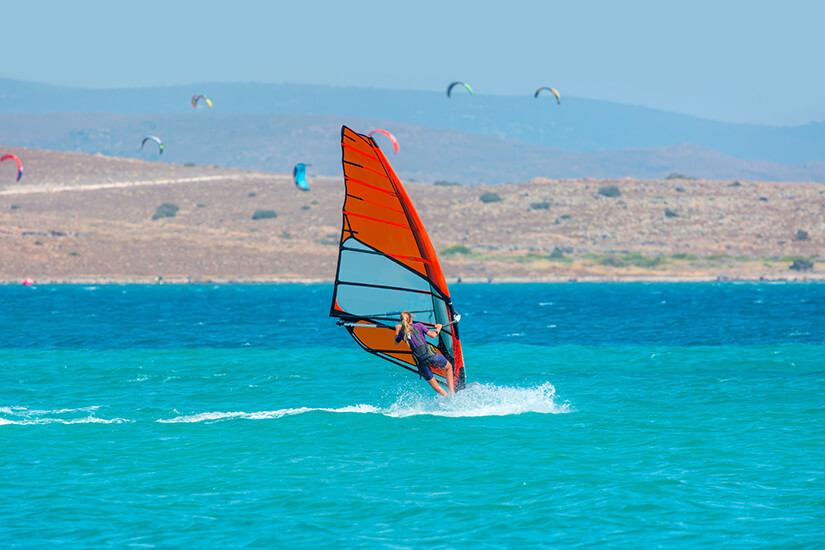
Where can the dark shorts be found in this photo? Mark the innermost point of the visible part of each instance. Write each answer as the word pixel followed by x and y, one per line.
pixel 438 361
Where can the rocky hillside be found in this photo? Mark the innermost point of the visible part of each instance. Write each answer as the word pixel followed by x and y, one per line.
pixel 78 217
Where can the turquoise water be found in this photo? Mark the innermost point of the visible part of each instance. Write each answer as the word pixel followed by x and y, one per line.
pixel 627 415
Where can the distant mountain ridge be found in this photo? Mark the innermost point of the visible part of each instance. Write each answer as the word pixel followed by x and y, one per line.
pixel 577 125
pixel 276 143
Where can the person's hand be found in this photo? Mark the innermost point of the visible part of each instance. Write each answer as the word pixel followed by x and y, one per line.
pixel 438 327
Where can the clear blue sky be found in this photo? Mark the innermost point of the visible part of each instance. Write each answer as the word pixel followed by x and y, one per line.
pixel 743 61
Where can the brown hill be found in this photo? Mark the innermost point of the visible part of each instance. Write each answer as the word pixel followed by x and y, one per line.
pixel 82 218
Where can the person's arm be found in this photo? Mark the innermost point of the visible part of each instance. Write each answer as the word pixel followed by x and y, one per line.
pixel 436 332
pixel 398 336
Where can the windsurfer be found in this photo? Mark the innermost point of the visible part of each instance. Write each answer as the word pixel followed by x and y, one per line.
pixel 425 358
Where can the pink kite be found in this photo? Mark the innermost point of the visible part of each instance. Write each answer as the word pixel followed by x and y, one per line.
pixel 389 135
pixel 19 164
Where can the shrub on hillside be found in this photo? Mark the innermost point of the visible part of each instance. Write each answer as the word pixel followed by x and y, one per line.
pixel 490 197
pixel 670 213
pixel 677 176
pixel 801 264
pixel 330 239
pixel 801 235
pixel 456 249
pixel 540 205
pixel 634 259
pixel 264 214
pixel 445 183
pixel 610 191
pixel 612 261
pixel 683 256
pixel 166 210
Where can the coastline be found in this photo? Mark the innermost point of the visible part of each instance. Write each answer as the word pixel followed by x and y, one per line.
pixel 124 281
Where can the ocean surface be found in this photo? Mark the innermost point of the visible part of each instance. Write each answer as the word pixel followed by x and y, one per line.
pixel 621 415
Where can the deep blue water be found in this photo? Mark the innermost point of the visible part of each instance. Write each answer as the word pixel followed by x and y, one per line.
pixel 631 415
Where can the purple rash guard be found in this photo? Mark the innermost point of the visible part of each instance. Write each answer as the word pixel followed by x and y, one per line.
pixel 417 332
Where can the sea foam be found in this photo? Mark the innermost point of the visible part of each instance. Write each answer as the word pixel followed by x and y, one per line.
pixel 22 416
pixel 482 400
pixel 476 400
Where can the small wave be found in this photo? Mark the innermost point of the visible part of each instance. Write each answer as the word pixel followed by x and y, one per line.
pixel 476 400
pixel 216 416
pixel 23 411
pixel 67 411
pixel 22 416
pixel 86 420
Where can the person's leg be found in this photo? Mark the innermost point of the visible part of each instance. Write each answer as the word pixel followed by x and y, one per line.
pixel 441 362
pixel 436 387
pixel 427 374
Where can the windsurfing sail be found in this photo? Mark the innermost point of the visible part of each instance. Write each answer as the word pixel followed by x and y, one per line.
pixel 387 264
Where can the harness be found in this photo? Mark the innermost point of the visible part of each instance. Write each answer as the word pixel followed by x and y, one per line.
pixel 424 353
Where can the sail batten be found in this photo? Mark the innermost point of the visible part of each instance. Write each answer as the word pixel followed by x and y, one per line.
pixel 379 220
pixel 359 152
pixel 353 180
pixel 387 287
pixel 386 262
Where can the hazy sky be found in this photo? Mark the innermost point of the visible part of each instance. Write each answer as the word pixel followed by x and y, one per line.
pixel 743 61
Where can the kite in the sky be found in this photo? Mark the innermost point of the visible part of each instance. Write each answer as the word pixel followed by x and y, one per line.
pixel 155 139
pixel 299 174
pixel 457 83
pixel 553 90
pixel 17 160
pixel 198 97
pixel 389 135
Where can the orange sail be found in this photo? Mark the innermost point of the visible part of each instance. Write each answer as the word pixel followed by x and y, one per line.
pixel 386 262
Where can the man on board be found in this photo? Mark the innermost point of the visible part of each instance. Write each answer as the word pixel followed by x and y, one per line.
pixel 425 358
